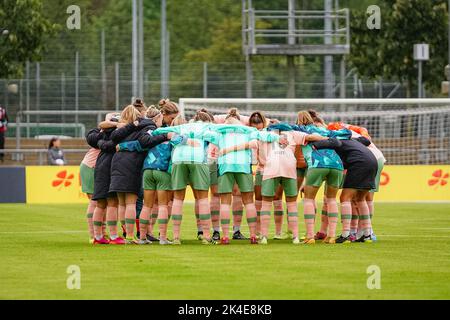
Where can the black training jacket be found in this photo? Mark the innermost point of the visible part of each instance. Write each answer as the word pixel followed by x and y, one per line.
pixel 126 167
pixel 102 173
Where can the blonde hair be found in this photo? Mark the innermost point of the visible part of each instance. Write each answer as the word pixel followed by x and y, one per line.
pixel 178 121
pixel 233 113
pixel 232 120
pixel 304 118
pixel 168 107
pixel 152 112
pixel 129 115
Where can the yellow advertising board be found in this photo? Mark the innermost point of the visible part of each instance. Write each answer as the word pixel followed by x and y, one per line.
pixel 398 184
pixel 54 185
pixel 415 183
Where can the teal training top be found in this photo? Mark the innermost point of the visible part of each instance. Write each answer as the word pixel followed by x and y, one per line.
pixel 225 136
pixel 184 152
pixel 324 158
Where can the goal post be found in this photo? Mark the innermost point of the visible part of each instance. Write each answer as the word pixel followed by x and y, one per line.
pixel 230 102
pixel 408 131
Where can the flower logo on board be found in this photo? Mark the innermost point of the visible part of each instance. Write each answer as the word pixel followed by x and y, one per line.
pixel 385 179
pixel 439 179
pixel 63 180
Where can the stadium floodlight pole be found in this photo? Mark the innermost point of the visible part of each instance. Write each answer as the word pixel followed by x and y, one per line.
pixel 134 54
pixel 168 64
pixel 290 58
pixel 448 14
pixel 141 49
pixel 27 88
pixel 419 80
pixel 250 44
pixel 63 97
pixel 38 88
pixel 163 49
pixel 205 79
pixel 77 85
pixel 117 74
pixel 103 66
pixel 328 40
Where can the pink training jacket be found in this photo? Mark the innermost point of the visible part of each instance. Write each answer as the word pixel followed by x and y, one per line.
pixel 90 159
pixel 274 161
pixel 220 119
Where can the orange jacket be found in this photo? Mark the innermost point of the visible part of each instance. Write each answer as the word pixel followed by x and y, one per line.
pixel 340 125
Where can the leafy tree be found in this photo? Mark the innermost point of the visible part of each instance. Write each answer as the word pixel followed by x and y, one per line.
pixel 388 52
pixel 27 38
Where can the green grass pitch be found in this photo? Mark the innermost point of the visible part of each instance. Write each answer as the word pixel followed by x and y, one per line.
pixel 38 243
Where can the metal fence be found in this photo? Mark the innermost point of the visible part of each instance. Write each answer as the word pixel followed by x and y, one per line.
pixel 77 120
pixel 42 89
pixel 38 156
pixel 27 130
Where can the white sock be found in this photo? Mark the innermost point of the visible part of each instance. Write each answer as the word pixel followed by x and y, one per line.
pixel 217 229
pixel 236 229
pixel 345 234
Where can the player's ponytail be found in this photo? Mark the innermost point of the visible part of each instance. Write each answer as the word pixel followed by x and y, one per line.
pixel 140 105
pixel 316 118
pixel 233 113
pixel 168 107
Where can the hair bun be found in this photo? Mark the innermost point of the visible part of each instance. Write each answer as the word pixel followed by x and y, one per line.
pixel 233 112
pixel 313 113
pixel 138 102
pixel 163 102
